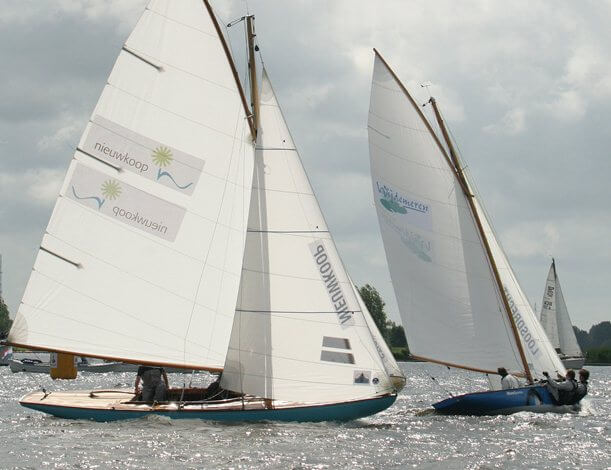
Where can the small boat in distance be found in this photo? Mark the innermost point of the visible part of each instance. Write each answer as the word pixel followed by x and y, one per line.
pixel 187 234
pixel 459 300
pixel 557 323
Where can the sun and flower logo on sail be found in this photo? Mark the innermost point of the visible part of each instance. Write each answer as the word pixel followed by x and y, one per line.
pixel 163 157
pixel 125 203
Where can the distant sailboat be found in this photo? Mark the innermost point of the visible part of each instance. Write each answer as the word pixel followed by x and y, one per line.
pixel 557 323
pixel 458 297
pixel 187 234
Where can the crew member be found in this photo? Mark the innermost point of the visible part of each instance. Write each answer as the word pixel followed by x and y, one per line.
pixel 563 391
pixel 153 387
pixel 507 380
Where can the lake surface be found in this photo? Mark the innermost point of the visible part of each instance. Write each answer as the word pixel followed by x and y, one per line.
pixel 400 437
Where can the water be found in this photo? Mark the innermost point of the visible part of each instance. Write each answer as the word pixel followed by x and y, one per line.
pixel 399 437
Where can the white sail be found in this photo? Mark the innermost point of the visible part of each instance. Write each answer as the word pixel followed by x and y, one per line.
pixel 448 299
pixel 540 353
pixel 299 332
pixel 555 317
pixel 141 259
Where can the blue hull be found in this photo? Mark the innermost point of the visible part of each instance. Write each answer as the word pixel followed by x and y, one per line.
pixel 536 398
pixel 331 412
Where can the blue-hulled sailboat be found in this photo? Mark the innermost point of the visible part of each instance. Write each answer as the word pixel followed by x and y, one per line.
pixel 459 299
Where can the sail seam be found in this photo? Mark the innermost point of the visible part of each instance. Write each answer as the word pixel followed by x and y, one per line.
pixel 287 231
pixel 201 124
pixel 110 307
pixel 169 65
pixel 157 286
pixel 97 327
pixel 398 124
pixel 181 23
pixel 276 148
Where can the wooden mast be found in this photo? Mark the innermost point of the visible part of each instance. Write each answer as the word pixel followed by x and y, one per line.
pixel 497 277
pixel 252 68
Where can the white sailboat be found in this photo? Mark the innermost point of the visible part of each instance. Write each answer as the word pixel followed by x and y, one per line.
pixel 557 323
pixel 459 300
pixel 164 249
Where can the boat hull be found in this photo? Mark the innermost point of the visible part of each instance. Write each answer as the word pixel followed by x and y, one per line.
pixel 113 407
pixel 502 402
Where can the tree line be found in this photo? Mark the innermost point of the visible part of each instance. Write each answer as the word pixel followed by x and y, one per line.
pixel 596 343
pixel 5 320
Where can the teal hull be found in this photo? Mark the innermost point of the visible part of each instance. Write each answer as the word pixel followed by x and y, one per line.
pixel 327 412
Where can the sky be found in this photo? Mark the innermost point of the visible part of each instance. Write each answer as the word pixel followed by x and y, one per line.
pixel 524 86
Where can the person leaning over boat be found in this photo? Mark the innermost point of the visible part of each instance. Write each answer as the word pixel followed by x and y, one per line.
pixel 153 387
pixel 507 380
pixel 563 391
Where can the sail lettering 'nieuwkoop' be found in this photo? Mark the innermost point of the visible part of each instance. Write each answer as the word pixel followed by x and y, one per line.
pixel 299 331
pixel 555 317
pixel 448 298
pixel 142 257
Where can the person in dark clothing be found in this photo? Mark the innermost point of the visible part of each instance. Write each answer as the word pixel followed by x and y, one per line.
pixel 564 392
pixel 582 386
pixel 153 387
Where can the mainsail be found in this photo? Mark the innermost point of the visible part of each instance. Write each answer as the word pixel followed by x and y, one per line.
pixel 555 317
pixel 142 257
pixel 300 332
pixel 448 296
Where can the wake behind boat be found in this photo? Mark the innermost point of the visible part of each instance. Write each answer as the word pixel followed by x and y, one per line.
pixel 187 235
pixel 459 300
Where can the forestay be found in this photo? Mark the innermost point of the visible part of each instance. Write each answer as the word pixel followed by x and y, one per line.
pixel 448 299
pixel 555 316
pixel 141 259
pixel 299 333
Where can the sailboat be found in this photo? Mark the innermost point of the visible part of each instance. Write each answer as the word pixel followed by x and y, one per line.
pixel 186 234
pixel 557 323
pixel 459 300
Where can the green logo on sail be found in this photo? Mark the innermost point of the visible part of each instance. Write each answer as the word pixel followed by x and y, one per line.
pixel 162 156
pixel 111 189
pixel 392 206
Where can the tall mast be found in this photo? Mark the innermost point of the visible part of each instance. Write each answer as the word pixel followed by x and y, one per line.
pixel 252 67
pixel 469 197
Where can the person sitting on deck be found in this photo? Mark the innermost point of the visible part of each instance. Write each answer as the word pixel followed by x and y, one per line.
pixel 153 388
pixel 507 380
pixel 563 391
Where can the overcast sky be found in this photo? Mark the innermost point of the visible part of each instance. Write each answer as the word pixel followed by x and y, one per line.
pixel 525 87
